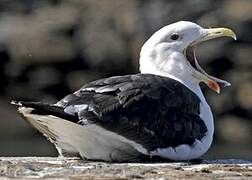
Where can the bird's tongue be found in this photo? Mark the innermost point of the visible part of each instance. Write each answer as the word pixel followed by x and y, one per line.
pixel 211 81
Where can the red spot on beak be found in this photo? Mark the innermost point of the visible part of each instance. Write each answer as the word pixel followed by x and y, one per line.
pixel 214 86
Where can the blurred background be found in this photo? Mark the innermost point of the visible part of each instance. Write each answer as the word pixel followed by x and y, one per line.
pixel 50 48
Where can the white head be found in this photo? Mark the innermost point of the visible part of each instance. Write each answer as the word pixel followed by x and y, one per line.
pixel 170 52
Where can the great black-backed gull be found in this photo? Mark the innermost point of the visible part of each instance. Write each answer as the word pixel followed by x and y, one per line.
pixel 160 112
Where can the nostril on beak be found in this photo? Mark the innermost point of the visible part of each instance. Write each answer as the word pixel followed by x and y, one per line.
pixel 218 33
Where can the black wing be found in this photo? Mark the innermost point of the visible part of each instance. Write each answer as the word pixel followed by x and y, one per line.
pixel 154 111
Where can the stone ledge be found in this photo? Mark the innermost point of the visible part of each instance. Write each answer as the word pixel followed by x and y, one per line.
pixel 65 168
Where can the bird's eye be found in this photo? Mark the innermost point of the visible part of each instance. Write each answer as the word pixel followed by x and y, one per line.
pixel 174 36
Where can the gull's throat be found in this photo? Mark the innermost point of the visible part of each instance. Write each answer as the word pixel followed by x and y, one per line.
pixel 190 54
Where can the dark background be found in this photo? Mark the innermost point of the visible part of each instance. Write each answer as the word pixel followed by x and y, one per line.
pixel 49 48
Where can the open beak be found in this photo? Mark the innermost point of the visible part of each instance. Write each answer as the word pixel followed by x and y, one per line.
pixel 199 73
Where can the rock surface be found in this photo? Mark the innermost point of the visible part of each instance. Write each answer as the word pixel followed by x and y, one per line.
pixel 74 168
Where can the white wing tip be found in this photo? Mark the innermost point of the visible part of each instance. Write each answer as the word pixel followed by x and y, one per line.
pixel 17 103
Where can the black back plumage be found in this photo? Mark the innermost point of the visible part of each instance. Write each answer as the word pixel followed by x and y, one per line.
pixel 154 111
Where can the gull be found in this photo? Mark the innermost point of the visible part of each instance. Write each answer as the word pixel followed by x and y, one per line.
pixel 159 112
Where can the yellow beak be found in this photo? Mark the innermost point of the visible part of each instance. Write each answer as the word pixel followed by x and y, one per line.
pixel 212 33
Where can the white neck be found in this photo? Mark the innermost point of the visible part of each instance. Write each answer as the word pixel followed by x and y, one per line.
pixel 149 68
